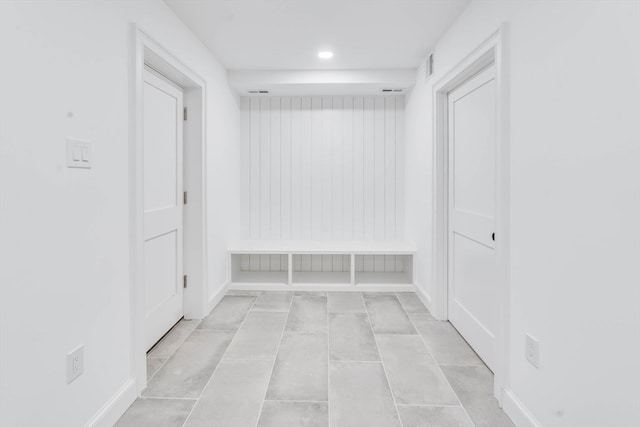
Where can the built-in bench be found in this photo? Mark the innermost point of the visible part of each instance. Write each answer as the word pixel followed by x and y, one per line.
pixel 321 265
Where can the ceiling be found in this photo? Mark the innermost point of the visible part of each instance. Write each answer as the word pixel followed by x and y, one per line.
pixel 287 34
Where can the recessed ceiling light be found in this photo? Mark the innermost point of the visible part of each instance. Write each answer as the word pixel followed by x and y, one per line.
pixel 325 54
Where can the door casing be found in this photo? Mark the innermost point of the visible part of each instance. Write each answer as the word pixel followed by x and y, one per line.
pixel 144 50
pixel 493 50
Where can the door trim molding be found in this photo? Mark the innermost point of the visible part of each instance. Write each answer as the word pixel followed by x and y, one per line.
pixel 493 50
pixel 145 49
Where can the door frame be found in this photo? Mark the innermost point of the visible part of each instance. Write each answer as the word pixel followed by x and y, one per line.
pixel 491 51
pixel 145 50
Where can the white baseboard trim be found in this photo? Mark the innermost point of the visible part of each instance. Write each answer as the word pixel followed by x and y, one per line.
pixel 426 299
pixel 516 410
pixel 215 299
pixel 115 407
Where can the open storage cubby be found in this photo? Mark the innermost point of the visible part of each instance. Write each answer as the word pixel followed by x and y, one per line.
pixel 317 269
pixel 383 269
pixel 260 268
pixel 319 265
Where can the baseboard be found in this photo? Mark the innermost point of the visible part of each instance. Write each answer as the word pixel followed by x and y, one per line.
pixel 426 299
pixel 115 407
pixel 214 300
pixel 516 410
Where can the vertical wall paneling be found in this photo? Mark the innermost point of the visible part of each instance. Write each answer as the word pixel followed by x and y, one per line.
pixel 347 168
pixel 326 154
pixel 306 168
pixel 254 167
pixel 296 169
pixel 265 168
pixel 369 168
pixel 390 168
pixel 400 182
pixel 358 168
pixel 324 168
pixel 316 168
pixel 245 153
pixel 276 169
pixel 285 165
pixel 337 177
pixel 379 168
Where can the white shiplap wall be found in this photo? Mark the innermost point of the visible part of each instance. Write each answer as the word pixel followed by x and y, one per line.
pixel 324 168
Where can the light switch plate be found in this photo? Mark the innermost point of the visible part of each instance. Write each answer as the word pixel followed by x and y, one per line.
pixel 79 154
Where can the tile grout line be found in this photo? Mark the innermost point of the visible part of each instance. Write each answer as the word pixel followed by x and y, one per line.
pixel 436 363
pixel 221 358
pixel 426 405
pixel 170 398
pixel 275 358
pixel 384 369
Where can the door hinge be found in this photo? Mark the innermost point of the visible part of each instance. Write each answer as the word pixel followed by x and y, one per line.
pixel 184 198
pixel 184 281
pixel 184 113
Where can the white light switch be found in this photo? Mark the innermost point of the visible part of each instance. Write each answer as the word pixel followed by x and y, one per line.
pixel 78 154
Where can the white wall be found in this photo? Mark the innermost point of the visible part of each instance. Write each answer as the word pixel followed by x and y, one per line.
pixel 575 205
pixel 65 232
pixel 324 168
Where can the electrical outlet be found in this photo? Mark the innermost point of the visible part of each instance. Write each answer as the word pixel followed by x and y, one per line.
pixel 532 350
pixel 75 364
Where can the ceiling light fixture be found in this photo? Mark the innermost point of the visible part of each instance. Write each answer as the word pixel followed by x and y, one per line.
pixel 325 54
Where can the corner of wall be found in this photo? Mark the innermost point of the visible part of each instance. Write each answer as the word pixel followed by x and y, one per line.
pixel 516 410
pixel 109 414
pixel 423 295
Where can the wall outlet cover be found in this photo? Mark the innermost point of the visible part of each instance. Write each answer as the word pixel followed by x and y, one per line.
pixel 75 363
pixel 532 350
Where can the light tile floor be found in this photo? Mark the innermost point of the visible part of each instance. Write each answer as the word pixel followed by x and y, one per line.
pixel 316 359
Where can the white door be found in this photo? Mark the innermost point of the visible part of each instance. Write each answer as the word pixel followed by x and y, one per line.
pixel 162 110
pixel 473 288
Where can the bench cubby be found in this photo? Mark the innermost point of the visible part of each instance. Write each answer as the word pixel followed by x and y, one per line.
pixel 319 265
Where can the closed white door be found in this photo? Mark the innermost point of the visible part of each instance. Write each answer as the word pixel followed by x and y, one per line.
pixel 163 111
pixel 473 291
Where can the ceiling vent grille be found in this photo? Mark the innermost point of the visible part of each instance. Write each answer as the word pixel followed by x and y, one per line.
pixel 396 90
pixel 261 92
